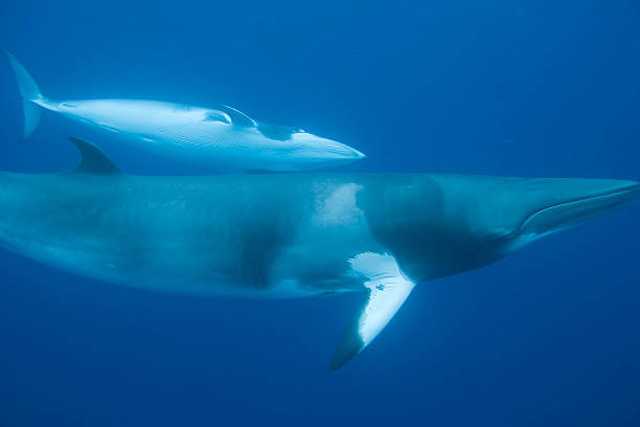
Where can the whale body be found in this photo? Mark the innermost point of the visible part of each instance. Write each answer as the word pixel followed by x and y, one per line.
pixel 220 139
pixel 278 235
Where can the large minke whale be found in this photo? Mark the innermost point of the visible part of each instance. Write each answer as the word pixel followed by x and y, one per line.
pixel 288 236
pixel 220 139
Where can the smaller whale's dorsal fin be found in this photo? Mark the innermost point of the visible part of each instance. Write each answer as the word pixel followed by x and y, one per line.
pixel 94 161
pixel 238 118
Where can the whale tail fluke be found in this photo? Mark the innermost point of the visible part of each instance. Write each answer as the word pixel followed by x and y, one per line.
pixel 32 98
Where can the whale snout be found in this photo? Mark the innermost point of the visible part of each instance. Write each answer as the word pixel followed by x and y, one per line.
pixel 574 201
pixel 334 149
pixel 323 152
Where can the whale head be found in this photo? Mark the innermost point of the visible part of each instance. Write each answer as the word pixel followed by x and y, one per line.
pixel 509 213
pixel 453 223
pixel 300 150
pixel 318 152
pixel 554 205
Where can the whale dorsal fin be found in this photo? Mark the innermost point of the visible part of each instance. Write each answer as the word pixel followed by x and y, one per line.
pixel 238 118
pixel 388 289
pixel 94 161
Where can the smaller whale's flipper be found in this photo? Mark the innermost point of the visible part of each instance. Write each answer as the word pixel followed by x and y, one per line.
pixel 94 161
pixel 238 118
pixel 217 116
pixel 388 290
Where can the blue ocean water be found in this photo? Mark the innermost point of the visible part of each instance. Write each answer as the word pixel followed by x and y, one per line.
pixel 547 337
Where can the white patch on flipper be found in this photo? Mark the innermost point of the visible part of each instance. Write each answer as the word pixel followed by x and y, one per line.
pixel 389 287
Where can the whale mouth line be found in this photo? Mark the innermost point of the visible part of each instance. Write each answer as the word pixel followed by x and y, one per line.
pixel 576 210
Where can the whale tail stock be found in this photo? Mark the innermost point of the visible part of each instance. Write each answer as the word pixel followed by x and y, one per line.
pixel 32 98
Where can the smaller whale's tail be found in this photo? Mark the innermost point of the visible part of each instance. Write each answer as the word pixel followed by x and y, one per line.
pixel 32 98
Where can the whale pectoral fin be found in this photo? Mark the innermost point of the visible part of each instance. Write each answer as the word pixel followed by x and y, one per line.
pixel 238 118
pixel 388 288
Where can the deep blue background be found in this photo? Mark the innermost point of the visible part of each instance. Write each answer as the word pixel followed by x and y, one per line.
pixel 549 337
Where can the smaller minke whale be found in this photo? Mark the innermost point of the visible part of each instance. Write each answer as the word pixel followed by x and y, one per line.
pixel 220 139
pixel 284 235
